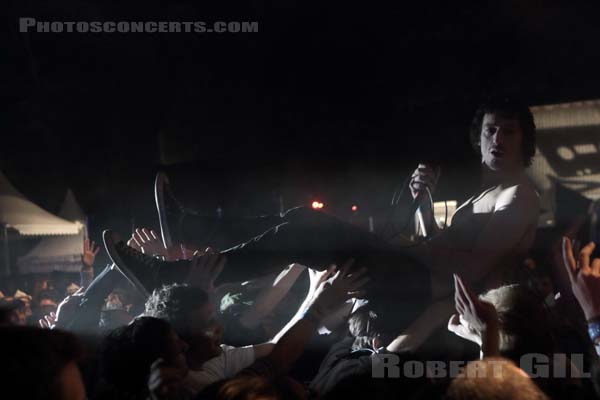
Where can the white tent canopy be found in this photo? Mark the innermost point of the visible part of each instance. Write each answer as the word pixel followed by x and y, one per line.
pixel 17 212
pixel 70 209
pixel 58 253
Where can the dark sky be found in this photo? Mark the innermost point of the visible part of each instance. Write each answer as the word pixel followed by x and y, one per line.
pixel 325 96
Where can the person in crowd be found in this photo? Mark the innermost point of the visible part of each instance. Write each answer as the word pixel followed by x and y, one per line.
pixel 506 322
pixel 48 301
pixel 192 314
pixel 14 312
pixel 351 356
pixel 22 307
pixel 490 234
pixel 494 378
pixel 493 230
pixel 584 276
pixel 331 291
pixel 144 359
pixel 47 317
pixel 503 321
pixel 250 312
pixel 40 364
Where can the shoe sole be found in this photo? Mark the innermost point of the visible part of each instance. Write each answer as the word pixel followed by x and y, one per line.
pixel 159 197
pixel 109 244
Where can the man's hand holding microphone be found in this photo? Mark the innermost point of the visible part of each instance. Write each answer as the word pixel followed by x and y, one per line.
pixel 422 184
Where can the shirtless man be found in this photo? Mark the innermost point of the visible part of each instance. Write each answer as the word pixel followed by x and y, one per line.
pixel 493 230
pixel 488 235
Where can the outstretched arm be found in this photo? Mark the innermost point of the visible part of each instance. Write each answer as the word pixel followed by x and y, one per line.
pixel 317 278
pixel 271 296
pixel 584 275
pixel 327 297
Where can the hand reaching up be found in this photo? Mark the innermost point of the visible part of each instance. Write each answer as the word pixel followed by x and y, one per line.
pixel 318 277
pixel 476 320
pixel 584 276
pixel 148 242
pixel 343 286
pixel 48 321
pixel 89 253
pixel 205 269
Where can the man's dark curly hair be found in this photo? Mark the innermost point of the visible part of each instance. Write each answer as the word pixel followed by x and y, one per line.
pixel 512 108
pixel 173 303
pixel 127 353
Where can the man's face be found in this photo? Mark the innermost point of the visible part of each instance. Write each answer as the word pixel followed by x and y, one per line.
pixel 501 143
pixel 206 329
pixel 27 307
pixel 47 306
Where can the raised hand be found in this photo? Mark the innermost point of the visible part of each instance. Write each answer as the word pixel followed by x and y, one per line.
pixel 89 253
pixel 148 242
pixel 344 285
pixel 205 268
pixel 476 320
pixel 48 321
pixel 318 277
pixel 584 277
pixel 134 244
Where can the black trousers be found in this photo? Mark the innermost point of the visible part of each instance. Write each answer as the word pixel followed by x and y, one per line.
pixel 399 286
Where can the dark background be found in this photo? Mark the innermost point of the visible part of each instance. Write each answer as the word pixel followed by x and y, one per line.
pixel 335 101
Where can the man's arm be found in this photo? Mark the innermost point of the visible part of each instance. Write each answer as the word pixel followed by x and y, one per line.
pixel 271 296
pixel 326 298
pixel 316 279
pixel 584 275
pixel 263 349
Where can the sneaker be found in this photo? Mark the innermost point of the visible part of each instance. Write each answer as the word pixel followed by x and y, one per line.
pixel 145 272
pixel 170 211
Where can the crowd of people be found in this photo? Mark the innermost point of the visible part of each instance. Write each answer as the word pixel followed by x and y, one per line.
pixel 303 305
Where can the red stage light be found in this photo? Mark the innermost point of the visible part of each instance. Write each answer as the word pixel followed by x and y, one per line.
pixel 315 205
pixel 354 208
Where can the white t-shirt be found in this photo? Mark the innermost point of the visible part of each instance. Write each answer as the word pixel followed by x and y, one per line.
pixel 226 365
